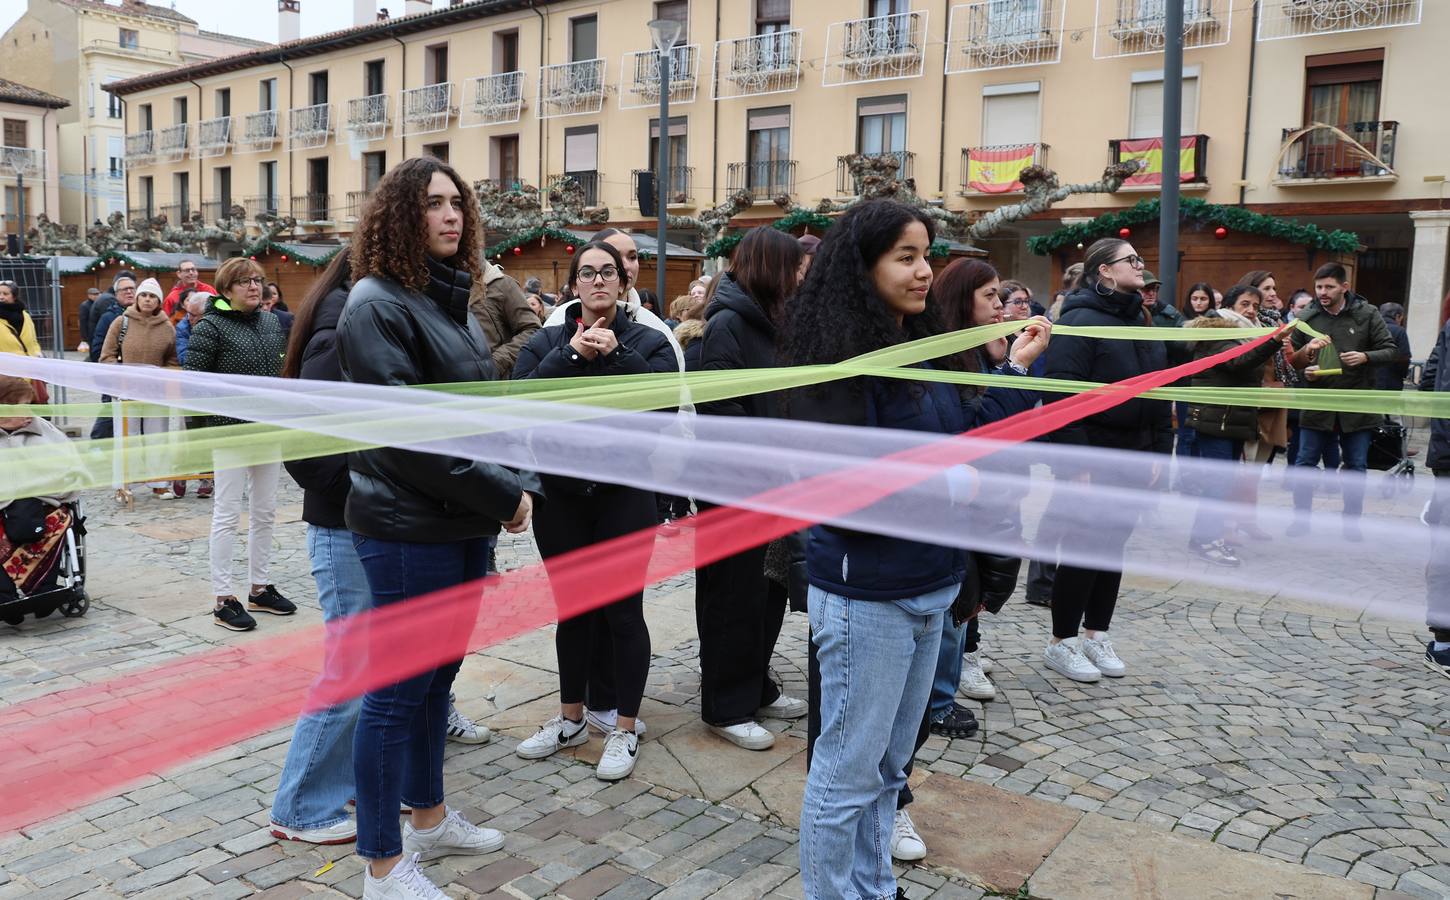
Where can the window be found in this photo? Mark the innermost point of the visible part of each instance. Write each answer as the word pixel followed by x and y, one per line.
pixel 373 77
pixel 130 39
pixel 115 152
pixel 16 133
pixel 178 111
pixel 1011 114
pixel 267 94
pixel 143 117
pixel 435 64
pixel 1343 88
pixel 221 181
pixel 876 8
pixel 113 102
pixel 375 165
pixel 505 52
pixel 881 125
pixel 677 155
pixel 581 149
pixel 437 151
pixel 147 186
pixel 182 192
pixel 1145 116
pixel 317 88
pixel 583 38
pixel 767 150
pixel 772 16
pixel 267 178
pixel 505 158
pixel 318 200
pixel 675 11
pixel 223 104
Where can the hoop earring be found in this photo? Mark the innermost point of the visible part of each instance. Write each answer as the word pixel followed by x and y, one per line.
pixel 1098 287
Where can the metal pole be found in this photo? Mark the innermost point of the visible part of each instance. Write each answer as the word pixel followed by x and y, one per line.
pixel 20 207
pixel 1172 141
pixel 662 175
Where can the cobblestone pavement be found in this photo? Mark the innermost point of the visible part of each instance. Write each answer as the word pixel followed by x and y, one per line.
pixel 1256 732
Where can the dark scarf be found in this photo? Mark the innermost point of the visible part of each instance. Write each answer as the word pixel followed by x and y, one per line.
pixel 449 287
pixel 13 314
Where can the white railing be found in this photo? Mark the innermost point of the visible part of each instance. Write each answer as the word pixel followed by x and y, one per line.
pixel 764 64
pixel 571 89
pixel 24 161
pixel 492 100
pixel 876 49
pixel 640 77
pixel 1298 18
pixel 259 132
pixel 309 127
pixel 173 142
pixel 1135 27
pixel 213 137
pixel 427 109
pixel 367 118
pixel 1000 34
pixel 140 148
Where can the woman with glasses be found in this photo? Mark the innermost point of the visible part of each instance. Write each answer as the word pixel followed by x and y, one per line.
pixel 597 338
pixel 1083 598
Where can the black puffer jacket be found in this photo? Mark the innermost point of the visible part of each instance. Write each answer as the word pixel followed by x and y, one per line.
pixel 738 335
pixel 324 480
pixel 1136 424
pixel 231 342
pixel 390 334
pixel 1237 423
pixel 1436 377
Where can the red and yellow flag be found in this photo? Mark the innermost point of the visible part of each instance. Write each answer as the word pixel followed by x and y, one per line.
pixel 1150 151
pixel 994 170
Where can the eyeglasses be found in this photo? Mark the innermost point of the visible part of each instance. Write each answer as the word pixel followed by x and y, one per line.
pixel 1131 259
pixel 589 273
pixel 254 280
pixel 1020 301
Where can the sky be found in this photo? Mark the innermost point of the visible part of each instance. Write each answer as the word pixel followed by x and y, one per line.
pixel 256 19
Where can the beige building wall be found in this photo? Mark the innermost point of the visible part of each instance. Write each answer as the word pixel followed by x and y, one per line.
pixel 42 193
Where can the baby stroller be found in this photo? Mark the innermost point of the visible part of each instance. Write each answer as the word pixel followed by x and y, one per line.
pixel 1389 452
pixel 49 575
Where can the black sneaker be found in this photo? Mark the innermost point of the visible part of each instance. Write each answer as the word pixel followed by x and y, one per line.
pixel 269 601
pixel 957 722
pixel 1437 660
pixel 229 614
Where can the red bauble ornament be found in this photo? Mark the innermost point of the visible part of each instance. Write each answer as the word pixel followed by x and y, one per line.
pixel 254 259
pixel 518 251
pixel 1124 232
pixel 284 257
pixel 569 249
pixel 1220 232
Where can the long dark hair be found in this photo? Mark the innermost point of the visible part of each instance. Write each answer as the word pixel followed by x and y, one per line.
pixel 954 295
pixel 837 313
pixel 1187 307
pixel 764 265
pixel 390 240
pixel 337 273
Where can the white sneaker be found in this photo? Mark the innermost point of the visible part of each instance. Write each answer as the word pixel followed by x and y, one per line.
pixel 906 844
pixel 604 720
pixel 747 734
pixel 986 664
pixel 621 749
pixel 454 834
pixel 1099 652
pixel 1067 658
pixel 344 832
pixel 783 707
pixel 555 735
pixel 405 882
pixel 463 729
pixel 975 683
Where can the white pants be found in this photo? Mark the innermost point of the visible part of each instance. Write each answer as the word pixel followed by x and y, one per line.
pixel 259 482
pixel 155 455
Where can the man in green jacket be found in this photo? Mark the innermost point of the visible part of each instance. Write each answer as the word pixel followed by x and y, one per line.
pixel 1356 341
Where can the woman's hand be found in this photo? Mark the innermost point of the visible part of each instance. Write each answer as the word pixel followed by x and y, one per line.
pixel 1031 342
pixel 520 522
pixel 996 351
pixel 601 338
pixel 581 345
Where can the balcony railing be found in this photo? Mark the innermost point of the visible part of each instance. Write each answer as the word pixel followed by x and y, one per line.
pixel 312 208
pixel 1192 159
pixel 492 100
pixel 11 223
pixel 849 185
pixel 427 109
pixel 588 180
pixel 367 118
pixel 1000 34
pixel 994 170
pixel 309 127
pixel 138 214
pixel 1297 18
pixel 641 77
pixel 764 64
pixel 140 148
pixel 876 49
pixel 675 191
pixel 258 206
pixel 571 89
pixel 1133 27
pixel 215 210
pixel 27 162
pixel 1355 150
pixel 173 142
pixel 213 137
pixel 765 179
pixel 259 132
pixel 176 213
pixel 352 209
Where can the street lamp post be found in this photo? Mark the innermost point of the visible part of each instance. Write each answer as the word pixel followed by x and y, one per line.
pixel 664 32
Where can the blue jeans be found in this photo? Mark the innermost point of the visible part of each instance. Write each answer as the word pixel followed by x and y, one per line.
pixel 317 778
pixel 948 667
pixel 1315 444
pixel 1209 525
pixel 398 745
pixel 876 662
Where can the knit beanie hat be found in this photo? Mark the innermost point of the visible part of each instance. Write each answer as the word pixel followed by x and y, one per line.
pixel 150 286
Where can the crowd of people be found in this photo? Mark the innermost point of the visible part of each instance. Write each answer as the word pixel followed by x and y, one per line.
pixel 896 630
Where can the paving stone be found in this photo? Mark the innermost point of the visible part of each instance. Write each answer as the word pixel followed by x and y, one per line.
pixel 496 874
pixel 593 883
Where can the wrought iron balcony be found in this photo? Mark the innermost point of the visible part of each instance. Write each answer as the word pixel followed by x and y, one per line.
pixel 1192 159
pixel 138 214
pixel 309 127
pixel 1355 151
pixel 674 191
pixel 367 118
pixel 213 137
pixel 312 208
pixel 26 162
pixel 765 179
pixel 173 142
pixel 571 89
pixel 352 209
pixel 259 132
pixel 1000 34
pixel 994 170
pixel 588 180
pixel 1137 26
pixel 140 148
pixel 641 87
pixel 266 205
pixel 213 211
pixel 11 223
pixel 427 109
pixel 849 185
pixel 176 213
pixel 763 64
pixel 1297 18
pixel 492 100
pixel 876 49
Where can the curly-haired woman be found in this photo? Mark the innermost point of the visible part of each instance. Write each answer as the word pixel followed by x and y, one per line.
pixel 876 602
pixel 421 520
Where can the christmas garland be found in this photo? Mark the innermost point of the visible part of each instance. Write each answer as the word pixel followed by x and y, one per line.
pixel 533 234
pixel 296 252
pixel 725 245
pixel 1231 217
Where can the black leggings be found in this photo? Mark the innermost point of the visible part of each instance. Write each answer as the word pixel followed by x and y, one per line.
pixel 569 521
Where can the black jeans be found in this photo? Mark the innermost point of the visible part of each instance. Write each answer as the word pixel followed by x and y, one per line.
pixel 569 521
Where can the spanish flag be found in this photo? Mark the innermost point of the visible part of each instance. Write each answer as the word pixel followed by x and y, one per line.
pixel 994 170
pixel 1150 151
